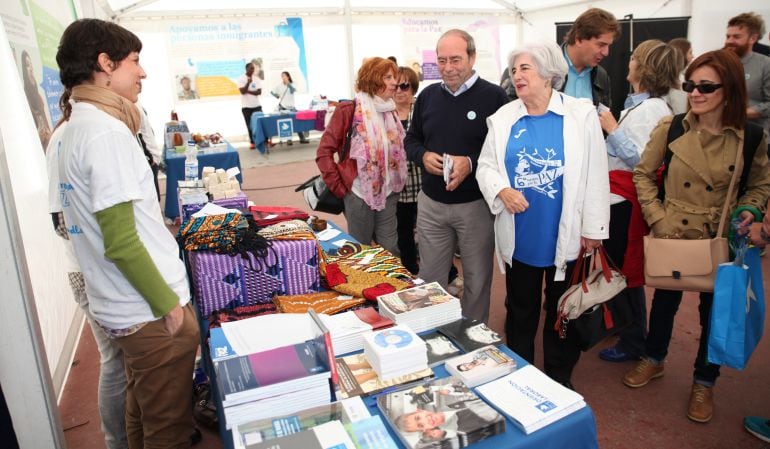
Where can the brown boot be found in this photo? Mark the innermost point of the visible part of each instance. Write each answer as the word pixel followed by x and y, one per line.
pixel 643 373
pixel 701 407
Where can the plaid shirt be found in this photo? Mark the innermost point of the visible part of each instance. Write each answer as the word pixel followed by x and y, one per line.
pixel 413 183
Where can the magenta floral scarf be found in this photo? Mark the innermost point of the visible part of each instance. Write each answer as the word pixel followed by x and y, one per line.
pixel 377 146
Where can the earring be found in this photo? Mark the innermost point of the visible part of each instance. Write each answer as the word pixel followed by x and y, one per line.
pixel 109 80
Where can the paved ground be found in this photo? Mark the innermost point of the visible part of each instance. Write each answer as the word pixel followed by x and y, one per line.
pixel 650 417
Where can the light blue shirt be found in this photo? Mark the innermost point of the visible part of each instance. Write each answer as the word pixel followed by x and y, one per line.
pixel 578 84
pixel 464 86
pixel 619 144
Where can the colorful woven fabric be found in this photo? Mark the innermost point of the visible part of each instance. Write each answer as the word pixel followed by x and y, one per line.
pixel 214 232
pixel 240 202
pixel 357 281
pixel 269 215
pixel 330 302
pixel 287 228
pixel 222 281
pixel 371 259
pixel 240 313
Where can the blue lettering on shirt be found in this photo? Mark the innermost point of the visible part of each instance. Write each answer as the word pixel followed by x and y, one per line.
pixel 74 229
pixel 63 189
pixel 534 159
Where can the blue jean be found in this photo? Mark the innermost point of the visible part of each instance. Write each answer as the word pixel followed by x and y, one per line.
pixel 112 374
pixel 665 304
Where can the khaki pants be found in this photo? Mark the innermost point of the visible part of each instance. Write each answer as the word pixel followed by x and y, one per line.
pixel 159 369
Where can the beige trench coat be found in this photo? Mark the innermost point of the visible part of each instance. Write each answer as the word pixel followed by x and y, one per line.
pixel 697 181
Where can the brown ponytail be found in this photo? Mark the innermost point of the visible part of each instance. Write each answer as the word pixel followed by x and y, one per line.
pixel 65 106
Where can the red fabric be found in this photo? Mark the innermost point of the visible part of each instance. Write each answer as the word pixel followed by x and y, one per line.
pixel 338 177
pixel 372 293
pixel 334 276
pixel 622 184
pixel 283 214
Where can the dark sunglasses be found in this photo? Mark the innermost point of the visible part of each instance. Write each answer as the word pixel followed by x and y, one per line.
pixel 704 88
pixel 404 86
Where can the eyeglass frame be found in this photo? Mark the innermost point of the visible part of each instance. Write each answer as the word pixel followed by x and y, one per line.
pixel 404 86
pixel 705 88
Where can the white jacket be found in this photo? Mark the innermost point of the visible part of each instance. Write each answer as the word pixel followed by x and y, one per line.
pixel 585 208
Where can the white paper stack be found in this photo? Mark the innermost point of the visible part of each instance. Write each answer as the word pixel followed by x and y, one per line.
pixel 395 352
pixel 530 398
pixel 348 328
pixel 421 308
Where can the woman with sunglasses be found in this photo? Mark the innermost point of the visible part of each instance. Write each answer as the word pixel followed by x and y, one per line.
pixel 372 174
pixel 695 189
pixel 652 72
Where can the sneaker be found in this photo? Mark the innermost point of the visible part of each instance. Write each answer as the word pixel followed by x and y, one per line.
pixel 758 426
pixel 289 142
pixel 644 372
pixel 616 355
pixel 701 407
pixel 304 141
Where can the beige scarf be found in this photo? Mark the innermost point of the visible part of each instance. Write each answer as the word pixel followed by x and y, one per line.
pixel 109 102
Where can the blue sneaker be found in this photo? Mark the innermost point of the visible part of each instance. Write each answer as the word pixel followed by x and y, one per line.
pixel 616 355
pixel 758 426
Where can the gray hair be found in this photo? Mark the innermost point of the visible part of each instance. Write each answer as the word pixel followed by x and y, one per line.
pixel 549 59
pixel 464 35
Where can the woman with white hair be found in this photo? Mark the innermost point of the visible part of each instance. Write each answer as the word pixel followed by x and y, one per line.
pixel 543 173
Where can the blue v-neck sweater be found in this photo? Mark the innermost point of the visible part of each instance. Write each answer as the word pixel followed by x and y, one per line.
pixel 443 123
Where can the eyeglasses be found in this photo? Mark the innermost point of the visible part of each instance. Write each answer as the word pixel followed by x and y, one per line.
pixel 404 86
pixel 704 88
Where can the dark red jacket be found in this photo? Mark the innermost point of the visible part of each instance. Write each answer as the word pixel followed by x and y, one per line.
pixel 338 176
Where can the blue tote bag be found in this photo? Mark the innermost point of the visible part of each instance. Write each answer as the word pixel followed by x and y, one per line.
pixel 738 312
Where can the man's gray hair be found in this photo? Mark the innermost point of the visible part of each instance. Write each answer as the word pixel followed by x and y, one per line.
pixel 549 59
pixel 464 35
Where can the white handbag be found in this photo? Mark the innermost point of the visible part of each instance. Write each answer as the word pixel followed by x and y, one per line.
pixel 603 282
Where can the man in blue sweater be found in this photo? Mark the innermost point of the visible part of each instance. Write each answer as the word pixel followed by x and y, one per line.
pixel 449 122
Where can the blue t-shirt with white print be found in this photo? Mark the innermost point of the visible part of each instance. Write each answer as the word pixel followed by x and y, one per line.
pixel 534 158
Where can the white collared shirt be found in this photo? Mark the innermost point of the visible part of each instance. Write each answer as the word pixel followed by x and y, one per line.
pixel 464 86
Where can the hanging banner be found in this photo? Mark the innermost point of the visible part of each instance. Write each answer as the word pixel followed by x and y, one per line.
pixel 420 35
pixel 209 56
pixel 34 29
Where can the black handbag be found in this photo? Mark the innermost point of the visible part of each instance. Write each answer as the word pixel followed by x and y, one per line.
pixel 603 321
pixel 318 196
pixel 315 191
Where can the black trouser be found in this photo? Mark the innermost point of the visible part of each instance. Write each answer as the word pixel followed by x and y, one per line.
pixel 665 304
pixel 632 337
pixel 406 215
pixel 247 113
pixel 524 284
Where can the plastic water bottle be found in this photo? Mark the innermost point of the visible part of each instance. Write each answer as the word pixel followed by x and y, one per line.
pixel 191 162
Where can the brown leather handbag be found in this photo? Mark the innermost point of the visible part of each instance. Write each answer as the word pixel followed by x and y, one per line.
pixel 689 265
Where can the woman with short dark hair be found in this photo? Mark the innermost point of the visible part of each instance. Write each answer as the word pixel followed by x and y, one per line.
pixel 136 284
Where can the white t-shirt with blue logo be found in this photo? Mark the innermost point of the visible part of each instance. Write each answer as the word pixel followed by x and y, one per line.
pixel 534 158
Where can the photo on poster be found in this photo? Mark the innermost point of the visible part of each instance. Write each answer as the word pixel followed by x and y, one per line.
pixel 185 86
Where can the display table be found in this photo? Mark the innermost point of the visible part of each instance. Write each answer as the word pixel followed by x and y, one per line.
pixel 264 126
pixel 175 172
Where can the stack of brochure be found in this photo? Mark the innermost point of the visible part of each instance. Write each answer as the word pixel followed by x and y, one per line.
pixel 530 398
pixel 358 378
pixel 470 334
pixel 459 417
pixel 348 328
pixel 421 308
pixel 270 365
pixel 480 366
pixel 395 352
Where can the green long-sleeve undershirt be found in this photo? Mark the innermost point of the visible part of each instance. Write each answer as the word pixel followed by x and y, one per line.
pixel 123 247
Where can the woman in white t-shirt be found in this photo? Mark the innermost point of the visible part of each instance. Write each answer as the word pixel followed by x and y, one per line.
pixel 284 92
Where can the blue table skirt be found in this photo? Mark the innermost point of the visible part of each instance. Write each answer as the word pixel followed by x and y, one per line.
pixel 264 126
pixel 175 172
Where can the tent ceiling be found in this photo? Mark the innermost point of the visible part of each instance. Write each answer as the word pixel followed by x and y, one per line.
pixel 144 8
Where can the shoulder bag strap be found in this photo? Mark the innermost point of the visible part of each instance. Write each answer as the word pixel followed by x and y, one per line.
pixel 346 145
pixel 675 131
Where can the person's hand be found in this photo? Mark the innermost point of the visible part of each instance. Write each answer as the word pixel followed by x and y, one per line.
pixel 661 229
pixel 461 168
pixel 608 122
pixel 513 200
pixel 590 244
pixel 747 218
pixel 757 234
pixel 172 321
pixel 433 163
